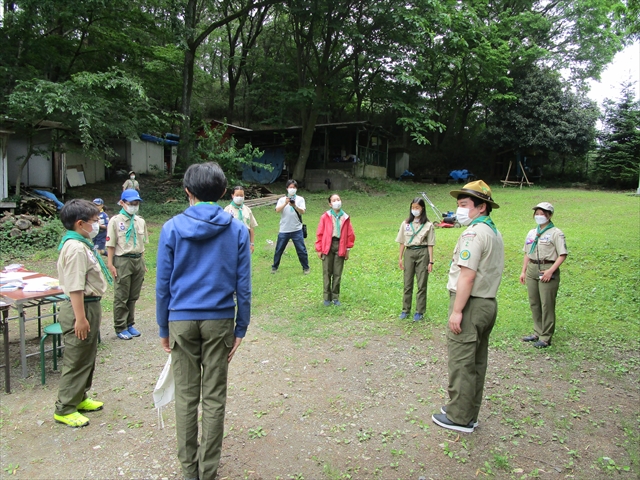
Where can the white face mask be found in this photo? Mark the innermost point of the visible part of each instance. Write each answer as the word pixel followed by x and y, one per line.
pixel 462 215
pixel 292 191
pixel 238 200
pixel 337 205
pixel 541 219
pixel 416 213
pixel 131 209
pixel 132 177
pixel 95 229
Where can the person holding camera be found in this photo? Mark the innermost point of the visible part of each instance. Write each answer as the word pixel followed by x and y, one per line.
pixel 291 208
pixel 545 250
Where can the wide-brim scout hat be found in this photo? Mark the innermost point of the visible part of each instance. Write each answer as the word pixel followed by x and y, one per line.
pixel 130 195
pixel 477 189
pixel 546 206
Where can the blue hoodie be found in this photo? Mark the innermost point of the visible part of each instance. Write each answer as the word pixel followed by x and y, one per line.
pixel 203 258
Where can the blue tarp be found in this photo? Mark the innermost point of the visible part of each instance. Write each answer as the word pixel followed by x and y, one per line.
pixel 50 196
pixel 459 174
pixel 272 156
pixel 162 141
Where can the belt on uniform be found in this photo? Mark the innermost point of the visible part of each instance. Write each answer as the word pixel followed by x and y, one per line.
pixel 417 247
pixel 131 255
pixel 87 298
pixel 541 262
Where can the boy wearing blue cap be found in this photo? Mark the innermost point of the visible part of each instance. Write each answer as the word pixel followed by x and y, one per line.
pixel 103 221
pixel 126 236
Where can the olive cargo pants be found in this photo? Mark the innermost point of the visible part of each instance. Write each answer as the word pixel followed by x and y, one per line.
pixel 416 263
pixel 199 351
pixel 79 357
pixel 542 301
pixel 468 354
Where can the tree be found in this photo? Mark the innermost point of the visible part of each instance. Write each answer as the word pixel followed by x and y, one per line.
pixel 212 146
pixel 543 115
pixel 618 156
pixel 92 108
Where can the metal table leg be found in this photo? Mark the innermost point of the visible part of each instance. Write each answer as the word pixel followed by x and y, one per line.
pixel 23 346
pixel 5 337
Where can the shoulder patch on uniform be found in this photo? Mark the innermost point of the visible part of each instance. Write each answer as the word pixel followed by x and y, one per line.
pixel 465 254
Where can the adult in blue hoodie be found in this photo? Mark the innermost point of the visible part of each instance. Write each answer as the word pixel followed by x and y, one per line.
pixel 203 258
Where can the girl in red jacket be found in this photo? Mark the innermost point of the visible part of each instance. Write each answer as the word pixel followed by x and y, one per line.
pixel 334 239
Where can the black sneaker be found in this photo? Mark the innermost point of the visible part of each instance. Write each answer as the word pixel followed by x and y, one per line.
pixel 443 410
pixel 530 338
pixel 441 420
pixel 541 344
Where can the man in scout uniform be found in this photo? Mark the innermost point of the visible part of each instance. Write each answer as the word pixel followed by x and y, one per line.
pixel 474 278
pixel 83 278
pixel 126 236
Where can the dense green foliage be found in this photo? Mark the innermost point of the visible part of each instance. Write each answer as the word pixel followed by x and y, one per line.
pixel 442 72
pixel 39 238
pixel 618 157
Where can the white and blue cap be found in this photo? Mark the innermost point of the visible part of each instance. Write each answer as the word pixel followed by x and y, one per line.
pixel 98 201
pixel 130 195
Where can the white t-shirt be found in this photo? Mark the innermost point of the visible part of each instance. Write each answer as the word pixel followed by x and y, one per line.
pixel 289 221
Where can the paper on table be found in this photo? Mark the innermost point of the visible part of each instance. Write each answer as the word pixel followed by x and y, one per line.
pixel 10 276
pixel 40 284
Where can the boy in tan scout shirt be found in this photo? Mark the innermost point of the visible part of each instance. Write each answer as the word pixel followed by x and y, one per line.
pixel 126 236
pixel 83 278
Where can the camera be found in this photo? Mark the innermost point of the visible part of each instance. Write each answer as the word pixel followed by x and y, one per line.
pixel 292 201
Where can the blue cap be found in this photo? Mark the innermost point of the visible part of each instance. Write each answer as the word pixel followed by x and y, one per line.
pixel 130 195
pixel 98 201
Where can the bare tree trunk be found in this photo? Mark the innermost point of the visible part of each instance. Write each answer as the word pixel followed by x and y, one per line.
pixel 22 165
pixel 309 121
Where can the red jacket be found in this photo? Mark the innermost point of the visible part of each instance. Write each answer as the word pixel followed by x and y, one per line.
pixel 324 235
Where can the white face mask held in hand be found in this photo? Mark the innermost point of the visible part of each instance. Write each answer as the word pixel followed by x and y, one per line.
pixel 462 215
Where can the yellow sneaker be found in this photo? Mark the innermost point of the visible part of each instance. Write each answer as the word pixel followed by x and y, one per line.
pixel 88 405
pixel 74 419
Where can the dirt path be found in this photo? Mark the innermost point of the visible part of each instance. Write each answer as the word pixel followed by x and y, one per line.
pixel 345 408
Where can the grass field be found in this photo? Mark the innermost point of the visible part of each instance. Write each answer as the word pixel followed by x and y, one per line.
pixel 353 387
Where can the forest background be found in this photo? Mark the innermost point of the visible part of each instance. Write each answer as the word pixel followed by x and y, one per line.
pixel 457 82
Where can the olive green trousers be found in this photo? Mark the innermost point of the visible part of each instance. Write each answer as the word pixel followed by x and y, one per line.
pixel 79 357
pixel 199 351
pixel 468 354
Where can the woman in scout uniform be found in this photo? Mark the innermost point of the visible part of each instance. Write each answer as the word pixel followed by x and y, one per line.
pixel 131 183
pixel 334 239
pixel 545 250
pixel 416 238
pixel 126 236
pixel 239 210
pixel 83 278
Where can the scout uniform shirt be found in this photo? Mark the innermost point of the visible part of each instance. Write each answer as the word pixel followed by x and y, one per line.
pixel 551 245
pixel 130 185
pixel 481 249
pixel 247 215
pixel 79 270
pixel 415 234
pixel 116 235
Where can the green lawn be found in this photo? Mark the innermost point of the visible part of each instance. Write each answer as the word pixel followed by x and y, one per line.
pixel 598 298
